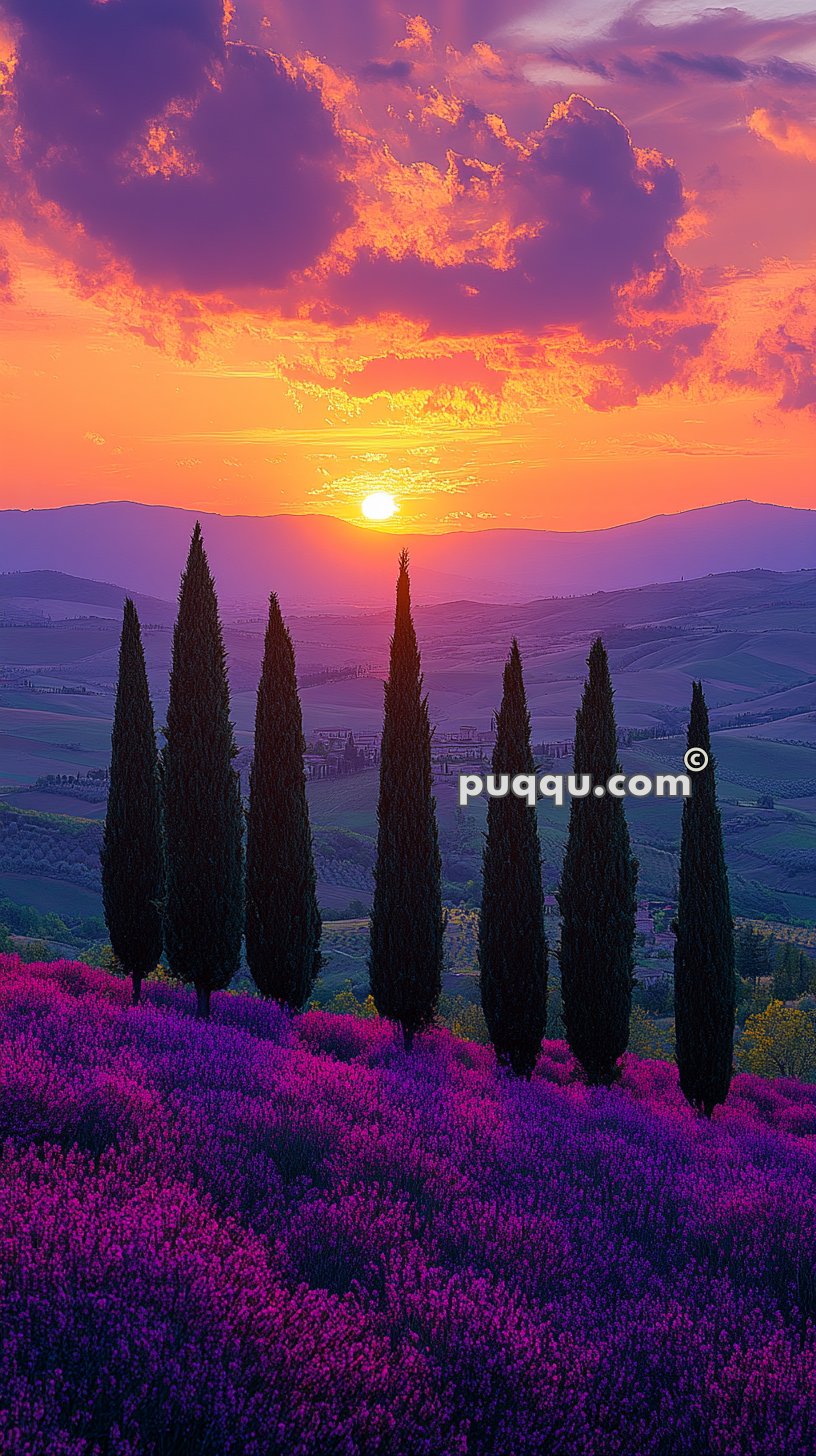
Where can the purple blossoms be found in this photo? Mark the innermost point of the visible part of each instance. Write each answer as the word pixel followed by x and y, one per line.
pixel 266 1237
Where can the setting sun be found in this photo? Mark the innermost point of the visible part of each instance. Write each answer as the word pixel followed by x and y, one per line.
pixel 379 507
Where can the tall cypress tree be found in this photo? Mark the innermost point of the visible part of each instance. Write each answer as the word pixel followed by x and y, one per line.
pixel 704 980
pixel 512 943
pixel 752 956
pixel 203 813
pixel 407 921
pixel 132 861
pixel 282 915
pixel 597 894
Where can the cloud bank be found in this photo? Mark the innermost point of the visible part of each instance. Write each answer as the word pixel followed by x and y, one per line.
pixel 441 173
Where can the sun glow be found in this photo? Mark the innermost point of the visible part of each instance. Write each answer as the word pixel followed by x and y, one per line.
pixel 379 507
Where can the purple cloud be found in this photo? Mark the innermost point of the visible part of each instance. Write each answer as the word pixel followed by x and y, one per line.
pixel 205 165
pixel 716 68
pixel 645 362
pixel 398 71
pixel 791 363
pixel 596 214
pixel 671 68
pixel 725 45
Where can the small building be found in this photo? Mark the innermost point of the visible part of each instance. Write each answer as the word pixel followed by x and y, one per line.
pixel 650 976
pixel 644 923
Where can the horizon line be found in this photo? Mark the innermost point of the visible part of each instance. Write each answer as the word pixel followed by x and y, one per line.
pixel 369 529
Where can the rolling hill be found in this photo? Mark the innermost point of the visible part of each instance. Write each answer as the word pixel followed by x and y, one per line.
pixel 31 597
pixel 750 635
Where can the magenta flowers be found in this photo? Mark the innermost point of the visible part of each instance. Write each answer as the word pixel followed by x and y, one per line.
pixel 268 1236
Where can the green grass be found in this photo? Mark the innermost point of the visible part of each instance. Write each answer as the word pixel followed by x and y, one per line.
pixel 42 802
pixel 28 706
pixel 63 644
pixel 46 725
pixel 742 661
pixel 36 743
pixel 70 824
pixel 348 803
pixel 47 895
pixel 334 899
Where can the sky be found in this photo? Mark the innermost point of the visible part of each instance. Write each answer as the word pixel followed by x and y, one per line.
pixel 549 265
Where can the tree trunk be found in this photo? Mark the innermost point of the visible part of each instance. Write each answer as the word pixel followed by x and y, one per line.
pixel 136 983
pixel 202 1003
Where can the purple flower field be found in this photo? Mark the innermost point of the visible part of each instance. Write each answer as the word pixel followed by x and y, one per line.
pixel 258 1236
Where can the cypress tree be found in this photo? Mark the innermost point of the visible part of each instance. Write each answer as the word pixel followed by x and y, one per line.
pixel 282 915
pixel 132 862
pixel 597 894
pixel 752 955
pixel 407 921
pixel 350 759
pixel 704 979
pixel 793 973
pixel 512 943
pixel 203 813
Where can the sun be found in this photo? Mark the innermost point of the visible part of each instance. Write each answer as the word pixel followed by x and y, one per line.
pixel 379 507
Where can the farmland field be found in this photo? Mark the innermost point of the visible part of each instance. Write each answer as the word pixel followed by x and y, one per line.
pixel 755 659
pixel 49 895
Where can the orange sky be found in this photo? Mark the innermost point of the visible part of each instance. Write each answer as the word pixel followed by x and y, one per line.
pixel 120 381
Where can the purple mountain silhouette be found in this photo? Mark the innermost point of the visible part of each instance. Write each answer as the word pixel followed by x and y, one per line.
pixel 320 562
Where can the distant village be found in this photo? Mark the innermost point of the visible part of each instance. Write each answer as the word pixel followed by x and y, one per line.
pixel 335 751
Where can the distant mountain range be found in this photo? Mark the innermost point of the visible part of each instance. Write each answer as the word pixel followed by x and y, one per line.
pixel 318 562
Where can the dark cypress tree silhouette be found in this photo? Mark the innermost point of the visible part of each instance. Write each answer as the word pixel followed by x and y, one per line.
pixel 597 894
pixel 407 921
pixel 203 813
pixel 512 943
pixel 792 973
pixel 282 915
pixel 350 759
pixel 132 860
pixel 704 978
pixel 752 954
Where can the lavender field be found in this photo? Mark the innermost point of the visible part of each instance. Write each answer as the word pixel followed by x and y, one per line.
pixel 271 1237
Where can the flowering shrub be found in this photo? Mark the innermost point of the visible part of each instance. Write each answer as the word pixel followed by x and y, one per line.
pixel 779 1042
pixel 269 1236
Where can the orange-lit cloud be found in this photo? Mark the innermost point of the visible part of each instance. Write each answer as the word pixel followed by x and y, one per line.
pixel 270 256
pixel 787 133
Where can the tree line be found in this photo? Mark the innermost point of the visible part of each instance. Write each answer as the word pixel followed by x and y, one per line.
pixel 188 873
pixel 790 971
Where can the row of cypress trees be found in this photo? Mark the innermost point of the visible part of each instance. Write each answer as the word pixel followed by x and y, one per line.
pixel 174 876
pixel 597 895
pixel 174 879
pixel 597 900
